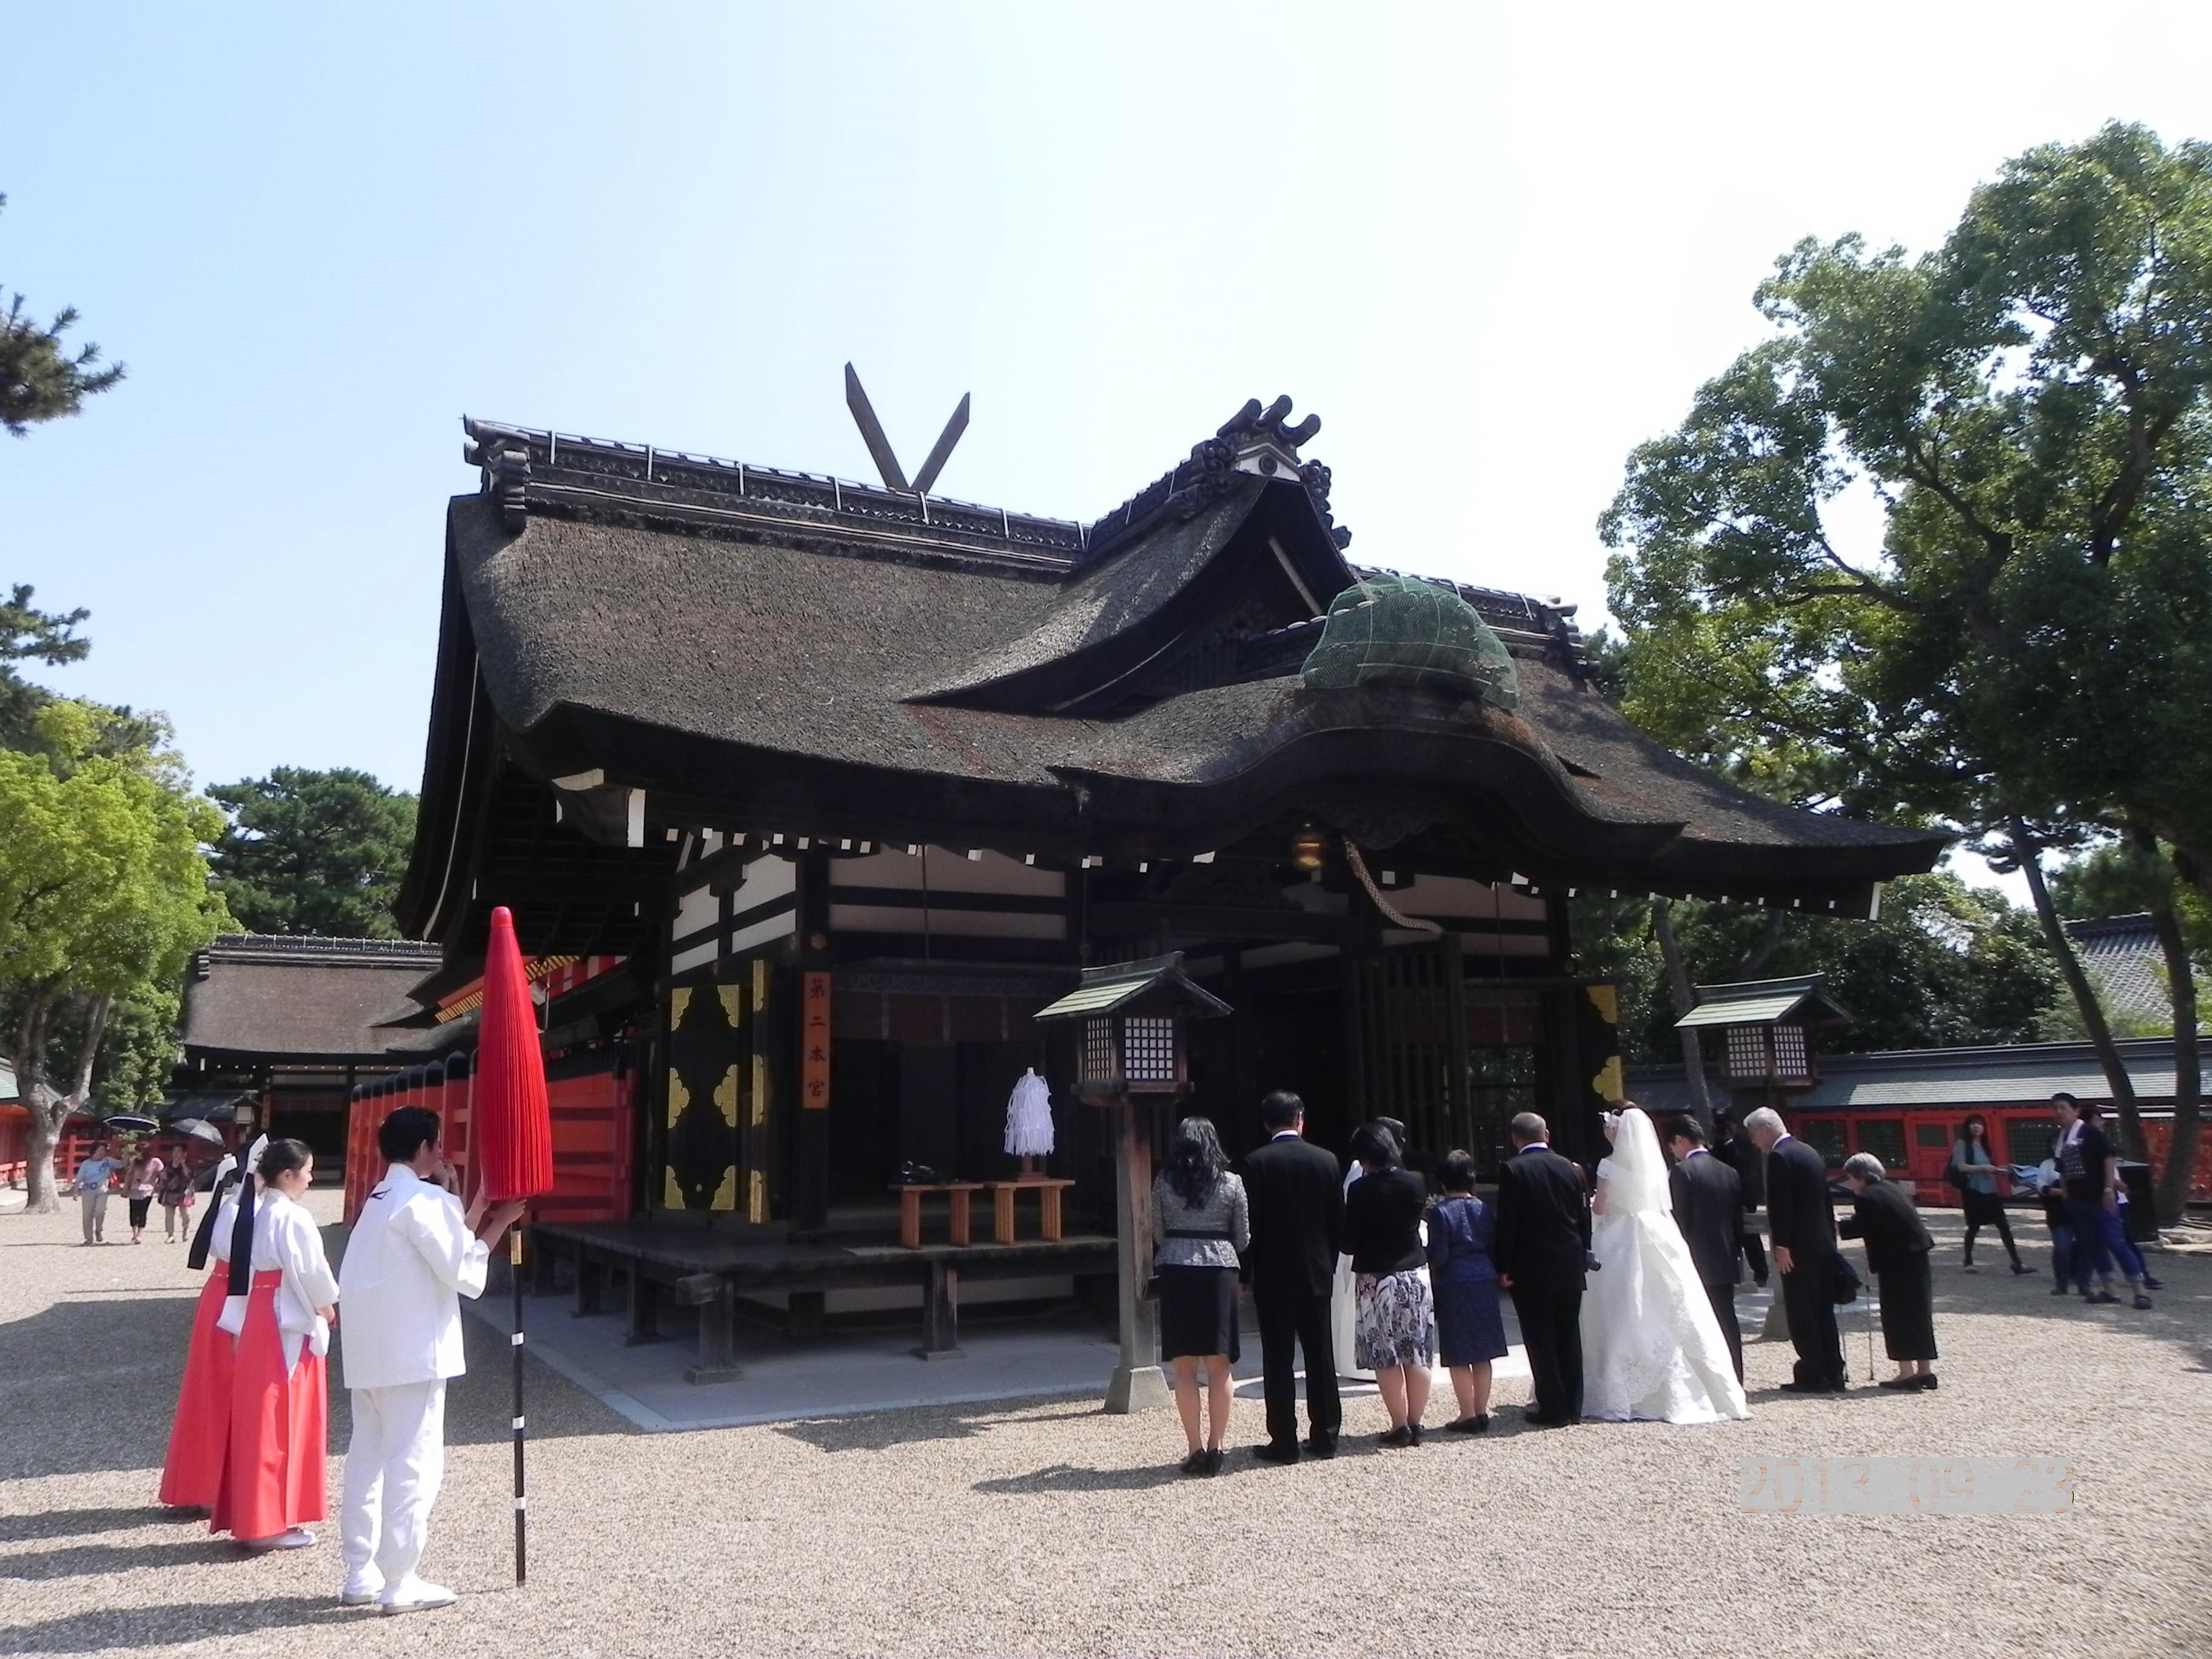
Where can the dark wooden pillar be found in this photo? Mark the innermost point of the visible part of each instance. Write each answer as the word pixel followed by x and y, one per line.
pixel 642 1319
pixel 940 1312
pixel 589 1277
pixel 717 1361
pixel 811 1152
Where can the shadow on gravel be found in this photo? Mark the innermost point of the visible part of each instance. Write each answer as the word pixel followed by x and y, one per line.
pixel 74 1524
pixel 884 1429
pixel 1065 1477
pixel 107 1628
pixel 81 1561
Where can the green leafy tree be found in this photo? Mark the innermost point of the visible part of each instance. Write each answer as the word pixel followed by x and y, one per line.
pixel 2026 658
pixel 41 379
pixel 308 852
pixel 1946 965
pixel 103 897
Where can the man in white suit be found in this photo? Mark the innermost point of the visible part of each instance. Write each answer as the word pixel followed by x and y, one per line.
pixel 412 1255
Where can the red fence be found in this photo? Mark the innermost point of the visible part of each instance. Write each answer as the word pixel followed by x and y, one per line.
pixel 592 1117
pixel 1918 1142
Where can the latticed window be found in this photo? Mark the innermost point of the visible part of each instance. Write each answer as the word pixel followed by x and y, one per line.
pixel 1789 1051
pixel 1098 1055
pixel 1825 1136
pixel 1747 1051
pixel 1148 1049
pixel 1884 1138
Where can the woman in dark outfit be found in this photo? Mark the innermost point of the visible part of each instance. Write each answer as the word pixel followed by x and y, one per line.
pixel 1470 1330
pixel 1897 1246
pixel 1977 1170
pixel 1383 1232
pixel 1203 1221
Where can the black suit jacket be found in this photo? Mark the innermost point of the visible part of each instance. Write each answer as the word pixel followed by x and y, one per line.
pixel 1708 1209
pixel 1543 1220
pixel 1296 1193
pixel 1750 1166
pixel 1800 1217
pixel 1883 1215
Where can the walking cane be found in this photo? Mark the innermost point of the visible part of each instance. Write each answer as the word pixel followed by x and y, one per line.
pixel 521 1498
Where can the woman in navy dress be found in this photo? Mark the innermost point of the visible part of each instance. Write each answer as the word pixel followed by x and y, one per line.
pixel 1470 1331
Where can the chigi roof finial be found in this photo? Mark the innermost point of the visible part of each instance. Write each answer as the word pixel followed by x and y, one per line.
pixel 879 447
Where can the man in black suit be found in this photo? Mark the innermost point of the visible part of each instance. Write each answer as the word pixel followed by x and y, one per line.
pixel 1708 1198
pixel 1801 1218
pixel 1750 1166
pixel 1541 1250
pixel 1296 1193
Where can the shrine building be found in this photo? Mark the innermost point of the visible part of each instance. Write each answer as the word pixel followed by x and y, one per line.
pixel 835 786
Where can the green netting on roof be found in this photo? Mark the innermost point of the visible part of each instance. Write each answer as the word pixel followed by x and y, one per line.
pixel 1398 628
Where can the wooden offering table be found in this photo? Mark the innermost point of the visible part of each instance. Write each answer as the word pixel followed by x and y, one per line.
pixel 956 1191
pixel 1047 1189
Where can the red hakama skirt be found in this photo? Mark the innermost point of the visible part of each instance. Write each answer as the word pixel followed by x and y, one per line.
pixel 272 1468
pixel 201 1428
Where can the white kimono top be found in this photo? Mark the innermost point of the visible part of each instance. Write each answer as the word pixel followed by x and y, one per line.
pixel 410 1260
pixel 285 1239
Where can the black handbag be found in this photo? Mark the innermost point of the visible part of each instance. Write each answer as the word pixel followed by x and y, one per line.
pixel 1843 1282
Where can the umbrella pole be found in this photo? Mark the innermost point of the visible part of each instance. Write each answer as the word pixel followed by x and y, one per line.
pixel 521 1500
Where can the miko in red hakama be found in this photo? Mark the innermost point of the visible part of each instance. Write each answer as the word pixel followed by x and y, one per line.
pixel 200 1431
pixel 271 1477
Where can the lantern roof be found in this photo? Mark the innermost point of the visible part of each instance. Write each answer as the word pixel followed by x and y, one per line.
pixel 1158 983
pixel 1766 1002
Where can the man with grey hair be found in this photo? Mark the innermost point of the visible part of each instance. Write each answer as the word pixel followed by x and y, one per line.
pixel 1540 1247
pixel 1800 1220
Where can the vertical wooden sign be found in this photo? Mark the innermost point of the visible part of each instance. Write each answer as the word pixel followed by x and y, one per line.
pixel 814 1042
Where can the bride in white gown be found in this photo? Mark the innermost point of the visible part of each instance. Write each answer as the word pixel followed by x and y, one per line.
pixel 1652 1349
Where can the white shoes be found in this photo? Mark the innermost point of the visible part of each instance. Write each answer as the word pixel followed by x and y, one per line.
pixel 415 1595
pixel 360 1592
pixel 292 1538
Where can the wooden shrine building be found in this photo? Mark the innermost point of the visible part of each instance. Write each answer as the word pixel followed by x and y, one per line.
pixel 856 780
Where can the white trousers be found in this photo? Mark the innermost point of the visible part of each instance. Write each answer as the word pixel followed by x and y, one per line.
pixel 394 1464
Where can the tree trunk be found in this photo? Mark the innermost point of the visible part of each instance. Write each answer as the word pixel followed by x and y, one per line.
pixel 2085 995
pixel 1762 948
pixel 1684 999
pixel 50 1108
pixel 2172 1189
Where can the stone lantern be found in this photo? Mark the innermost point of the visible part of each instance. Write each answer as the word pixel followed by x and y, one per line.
pixel 1128 1021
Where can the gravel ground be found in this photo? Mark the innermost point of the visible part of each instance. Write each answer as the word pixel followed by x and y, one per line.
pixel 1052 1529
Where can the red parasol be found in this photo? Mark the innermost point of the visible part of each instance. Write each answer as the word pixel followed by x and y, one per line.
pixel 510 1124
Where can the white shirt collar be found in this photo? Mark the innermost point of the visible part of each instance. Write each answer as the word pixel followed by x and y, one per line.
pixel 1286 1134
pixel 1535 1146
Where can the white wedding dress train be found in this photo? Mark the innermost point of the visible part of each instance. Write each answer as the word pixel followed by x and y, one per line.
pixel 1652 1351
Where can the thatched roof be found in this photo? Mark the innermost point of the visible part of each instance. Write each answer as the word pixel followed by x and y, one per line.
pixel 751 647
pixel 261 997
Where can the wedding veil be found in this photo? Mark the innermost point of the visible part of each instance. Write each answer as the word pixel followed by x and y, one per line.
pixel 1638 1180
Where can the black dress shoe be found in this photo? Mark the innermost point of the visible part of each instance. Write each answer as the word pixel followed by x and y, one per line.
pixel 1538 1420
pixel 1320 1445
pixel 1927 1379
pixel 1809 1387
pixel 1213 1465
pixel 1394 1438
pixel 1195 1463
pixel 1414 1430
pixel 1899 1383
pixel 1470 1425
pixel 1277 1451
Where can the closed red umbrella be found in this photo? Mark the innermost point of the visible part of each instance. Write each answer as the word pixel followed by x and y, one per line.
pixel 511 1126
pixel 511 1135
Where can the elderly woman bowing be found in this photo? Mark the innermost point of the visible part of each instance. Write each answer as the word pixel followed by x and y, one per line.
pixel 1897 1246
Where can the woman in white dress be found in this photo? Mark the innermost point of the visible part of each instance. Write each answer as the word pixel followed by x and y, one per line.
pixel 1652 1350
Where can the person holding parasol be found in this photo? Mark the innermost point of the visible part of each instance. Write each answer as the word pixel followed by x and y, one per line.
pixel 413 1254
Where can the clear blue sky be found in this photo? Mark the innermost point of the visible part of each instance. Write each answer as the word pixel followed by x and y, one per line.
pixel 1493 247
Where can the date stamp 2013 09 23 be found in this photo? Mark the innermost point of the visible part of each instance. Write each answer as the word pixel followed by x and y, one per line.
pixel 1907 1485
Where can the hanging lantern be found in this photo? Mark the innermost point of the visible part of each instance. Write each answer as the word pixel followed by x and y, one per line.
pixel 1308 848
pixel 1130 1020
